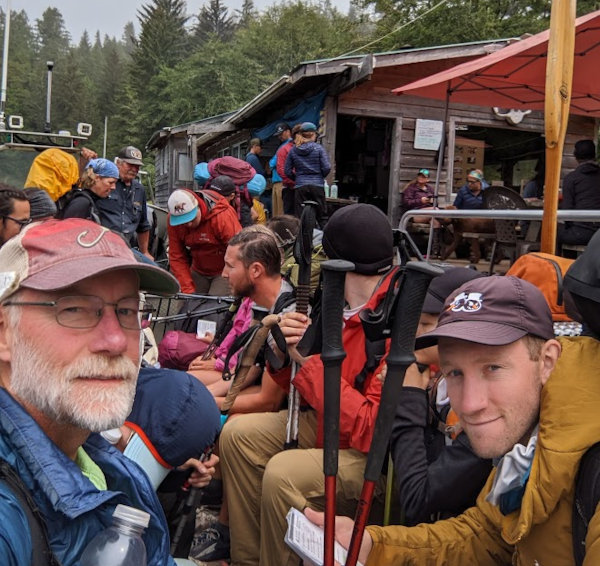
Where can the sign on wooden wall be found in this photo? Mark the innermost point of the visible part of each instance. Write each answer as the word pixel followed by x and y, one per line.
pixel 428 134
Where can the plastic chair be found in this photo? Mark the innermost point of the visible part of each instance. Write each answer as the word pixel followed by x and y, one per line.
pixel 503 198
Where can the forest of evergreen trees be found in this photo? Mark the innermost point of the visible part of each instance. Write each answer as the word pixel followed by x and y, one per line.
pixel 170 68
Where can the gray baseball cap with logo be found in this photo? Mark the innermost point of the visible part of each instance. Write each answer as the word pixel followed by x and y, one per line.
pixel 131 155
pixel 494 311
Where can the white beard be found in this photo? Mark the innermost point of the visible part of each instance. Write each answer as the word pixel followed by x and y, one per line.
pixel 62 393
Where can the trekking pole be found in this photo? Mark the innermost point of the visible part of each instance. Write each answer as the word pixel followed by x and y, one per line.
pixel 257 336
pixel 189 505
pixel 401 355
pixel 223 329
pixel 303 256
pixel 332 355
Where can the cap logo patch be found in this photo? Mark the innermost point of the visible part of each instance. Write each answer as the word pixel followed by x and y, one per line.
pixel 467 302
pixel 179 208
pixel 94 241
pixel 135 153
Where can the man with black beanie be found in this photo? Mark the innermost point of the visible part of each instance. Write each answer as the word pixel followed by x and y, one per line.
pixel 262 480
pixel 581 191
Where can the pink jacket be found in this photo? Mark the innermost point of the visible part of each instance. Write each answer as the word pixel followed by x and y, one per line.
pixel 241 323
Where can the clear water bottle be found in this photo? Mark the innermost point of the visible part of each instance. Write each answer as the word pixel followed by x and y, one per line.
pixel 120 544
pixel 333 190
pixel 326 188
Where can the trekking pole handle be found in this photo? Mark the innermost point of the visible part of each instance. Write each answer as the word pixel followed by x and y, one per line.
pixel 332 355
pixel 418 275
pixel 247 361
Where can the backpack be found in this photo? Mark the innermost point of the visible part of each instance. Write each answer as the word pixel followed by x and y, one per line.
pixel 41 554
pixel 289 267
pixel 241 172
pixel 587 496
pixel 178 349
pixel 53 170
pixel 67 198
pixel 546 272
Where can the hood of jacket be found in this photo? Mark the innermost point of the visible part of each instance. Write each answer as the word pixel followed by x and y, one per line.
pixel 588 168
pixel 306 148
pixel 211 203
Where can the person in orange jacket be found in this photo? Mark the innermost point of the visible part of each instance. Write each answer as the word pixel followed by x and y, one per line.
pixel 200 227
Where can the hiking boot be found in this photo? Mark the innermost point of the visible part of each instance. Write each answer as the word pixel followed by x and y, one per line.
pixel 211 544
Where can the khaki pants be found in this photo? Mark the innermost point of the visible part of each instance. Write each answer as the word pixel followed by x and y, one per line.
pixel 262 481
pixel 210 285
pixel 277 199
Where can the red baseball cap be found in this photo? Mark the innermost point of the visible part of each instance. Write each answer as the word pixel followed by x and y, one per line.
pixel 56 254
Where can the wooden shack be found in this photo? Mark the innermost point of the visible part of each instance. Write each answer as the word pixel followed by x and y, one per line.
pixel 376 139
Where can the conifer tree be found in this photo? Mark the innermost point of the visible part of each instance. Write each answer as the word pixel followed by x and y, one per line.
pixel 215 20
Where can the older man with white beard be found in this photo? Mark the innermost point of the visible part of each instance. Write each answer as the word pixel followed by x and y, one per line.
pixel 70 320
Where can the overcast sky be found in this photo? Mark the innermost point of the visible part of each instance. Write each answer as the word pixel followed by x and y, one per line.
pixel 109 16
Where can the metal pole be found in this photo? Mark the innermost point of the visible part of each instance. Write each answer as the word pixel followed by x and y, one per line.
pixel 47 125
pixel 4 66
pixel 438 173
pixel 105 134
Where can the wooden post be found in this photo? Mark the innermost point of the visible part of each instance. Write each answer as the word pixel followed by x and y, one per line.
pixel 559 79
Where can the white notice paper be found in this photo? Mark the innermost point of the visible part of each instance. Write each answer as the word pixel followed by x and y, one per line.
pixel 307 539
pixel 205 326
pixel 428 134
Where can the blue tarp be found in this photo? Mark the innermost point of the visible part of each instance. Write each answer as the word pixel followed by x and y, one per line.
pixel 309 110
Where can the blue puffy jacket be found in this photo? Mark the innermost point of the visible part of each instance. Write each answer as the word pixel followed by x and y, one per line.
pixel 308 164
pixel 73 508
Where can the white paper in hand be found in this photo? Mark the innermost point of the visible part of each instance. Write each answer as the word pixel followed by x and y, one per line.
pixel 205 326
pixel 307 539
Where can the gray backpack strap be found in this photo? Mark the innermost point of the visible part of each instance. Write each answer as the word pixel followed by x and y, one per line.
pixel 41 553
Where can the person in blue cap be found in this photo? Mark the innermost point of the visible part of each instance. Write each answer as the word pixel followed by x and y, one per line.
pixel 98 180
pixel 168 405
pixel 308 164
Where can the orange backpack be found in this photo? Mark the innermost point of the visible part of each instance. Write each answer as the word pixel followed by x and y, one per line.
pixel 546 272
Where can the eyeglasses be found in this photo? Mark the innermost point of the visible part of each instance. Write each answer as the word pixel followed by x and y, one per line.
pixel 85 311
pixel 21 223
pixel 472 182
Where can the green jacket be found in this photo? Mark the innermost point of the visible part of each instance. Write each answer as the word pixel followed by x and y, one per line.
pixel 539 533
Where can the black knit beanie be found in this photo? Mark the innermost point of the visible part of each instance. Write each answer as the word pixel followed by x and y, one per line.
pixel 362 234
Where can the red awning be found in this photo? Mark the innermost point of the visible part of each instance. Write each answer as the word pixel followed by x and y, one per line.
pixel 515 76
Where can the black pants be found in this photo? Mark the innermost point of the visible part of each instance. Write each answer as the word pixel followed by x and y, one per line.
pixel 316 194
pixel 574 234
pixel 287 195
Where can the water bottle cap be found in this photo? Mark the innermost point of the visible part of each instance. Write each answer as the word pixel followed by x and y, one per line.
pixel 113 435
pixel 132 515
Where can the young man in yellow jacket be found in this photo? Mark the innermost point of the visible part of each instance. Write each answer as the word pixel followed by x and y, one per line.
pixel 524 399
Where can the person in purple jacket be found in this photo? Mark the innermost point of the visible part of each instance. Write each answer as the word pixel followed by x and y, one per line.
pixel 308 164
pixel 420 194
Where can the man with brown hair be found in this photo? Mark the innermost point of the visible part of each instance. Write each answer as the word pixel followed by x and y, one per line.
pixel 526 400
pixel 261 479
pixel 14 212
